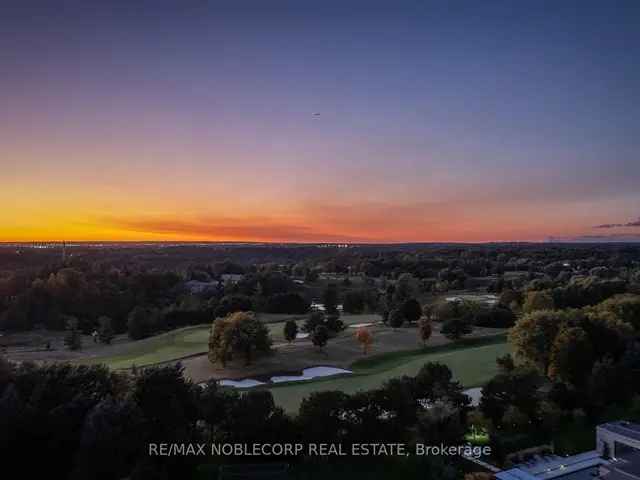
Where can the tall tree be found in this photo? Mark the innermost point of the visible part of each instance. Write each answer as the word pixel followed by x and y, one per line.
pixel 424 329
pixel 320 336
pixel 330 299
pixel 105 330
pixel 73 338
pixel 533 335
pixel 239 332
pixel 396 318
pixel 538 300
pixel 290 330
pixel 405 289
pixel 456 328
pixel 411 310
pixel 571 356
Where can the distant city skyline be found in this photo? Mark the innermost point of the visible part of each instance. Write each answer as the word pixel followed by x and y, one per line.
pixel 293 121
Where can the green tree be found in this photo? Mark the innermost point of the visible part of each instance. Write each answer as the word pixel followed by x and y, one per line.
pixel 571 356
pixel 320 336
pixel 353 302
pixel 314 319
pixel 518 388
pixel 396 318
pixel 290 330
pixel 105 330
pixel 625 307
pixel 456 328
pixel 141 322
pixel 538 300
pixel 424 329
pixel 239 332
pixel 322 417
pixel 110 439
pixel 434 381
pixel 405 289
pixel 441 424
pixel 533 335
pixel 73 338
pixel 233 303
pixel 384 309
pixel 506 363
pixel 169 403
pixel 288 303
pixel 514 419
pixel 216 405
pixel 334 324
pixel 550 415
pixel 330 299
pixel 411 310
pixel 509 297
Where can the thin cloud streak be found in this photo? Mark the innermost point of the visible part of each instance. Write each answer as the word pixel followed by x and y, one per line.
pixel 635 223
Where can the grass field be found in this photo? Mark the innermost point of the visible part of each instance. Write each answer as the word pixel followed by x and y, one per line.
pixel 186 342
pixel 473 364
pixel 160 348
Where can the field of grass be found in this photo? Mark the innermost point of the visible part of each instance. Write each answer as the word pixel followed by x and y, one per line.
pixel 187 342
pixel 160 348
pixel 472 362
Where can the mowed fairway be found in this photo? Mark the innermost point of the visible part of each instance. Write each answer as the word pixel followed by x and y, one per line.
pixel 161 348
pixel 472 365
pixel 183 342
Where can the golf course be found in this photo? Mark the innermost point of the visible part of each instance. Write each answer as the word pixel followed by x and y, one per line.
pixel 395 352
pixel 185 342
pixel 473 363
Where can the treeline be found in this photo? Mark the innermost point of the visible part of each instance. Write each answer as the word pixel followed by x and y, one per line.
pixel 83 293
pixel 89 422
pixel 570 366
pixel 138 302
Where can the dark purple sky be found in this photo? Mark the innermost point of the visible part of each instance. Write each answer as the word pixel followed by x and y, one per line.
pixel 460 121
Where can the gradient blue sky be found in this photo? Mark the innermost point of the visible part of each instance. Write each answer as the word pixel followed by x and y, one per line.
pixel 438 121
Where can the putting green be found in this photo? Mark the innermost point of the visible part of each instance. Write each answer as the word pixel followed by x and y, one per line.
pixel 472 365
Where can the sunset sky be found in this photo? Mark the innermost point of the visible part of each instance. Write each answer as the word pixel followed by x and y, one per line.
pixel 309 121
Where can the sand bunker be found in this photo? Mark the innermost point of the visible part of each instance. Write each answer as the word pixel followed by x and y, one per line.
pixel 309 373
pixel 244 383
pixel 475 394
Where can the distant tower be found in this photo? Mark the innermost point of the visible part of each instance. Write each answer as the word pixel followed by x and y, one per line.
pixel 64 252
